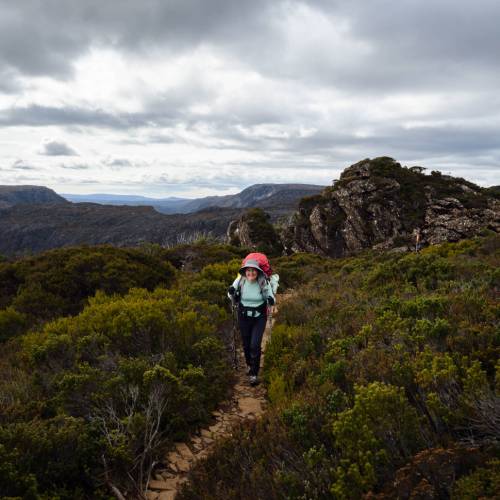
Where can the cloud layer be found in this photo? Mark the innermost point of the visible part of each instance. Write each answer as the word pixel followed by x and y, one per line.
pixel 193 97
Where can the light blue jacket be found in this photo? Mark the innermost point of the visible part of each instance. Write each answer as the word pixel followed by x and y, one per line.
pixel 251 293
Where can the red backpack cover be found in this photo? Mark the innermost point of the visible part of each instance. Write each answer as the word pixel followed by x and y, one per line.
pixel 262 260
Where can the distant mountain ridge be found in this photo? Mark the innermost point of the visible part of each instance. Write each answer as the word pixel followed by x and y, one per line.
pixel 376 204
pixel 52 222
pixel 262 195
pixel 171 204
pixel 28 195
pixel 36 228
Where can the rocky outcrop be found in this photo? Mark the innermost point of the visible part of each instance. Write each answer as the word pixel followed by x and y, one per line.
pixel 380 204
pixel 254 230
pixel 28 195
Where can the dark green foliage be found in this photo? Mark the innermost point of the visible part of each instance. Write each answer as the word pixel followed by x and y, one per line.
pixel 309 202
pixel 484 482
pixel 194 257
pixel 374 361
pixel 58 282
pixel 493 191
pixel 80 395
pixel 378 364
pixel 376 435
pixel 300 268
pixel 57 455
pixel 12 323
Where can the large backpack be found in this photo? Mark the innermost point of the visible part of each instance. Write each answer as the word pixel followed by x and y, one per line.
pixel 268 279
pixel 262 260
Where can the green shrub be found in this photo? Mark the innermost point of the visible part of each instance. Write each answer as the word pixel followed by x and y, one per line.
pixel 194 257
pixel 59 282
pixel 484 482
pixel 145 363
pixel 12 323
pixel 373 359
pixel 381 431
pixel 58 455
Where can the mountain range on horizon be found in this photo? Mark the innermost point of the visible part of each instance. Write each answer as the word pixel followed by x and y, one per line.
pixel 374 203
pixel 36 218
pixel 97 197
pixel 268 195
pixel 256 194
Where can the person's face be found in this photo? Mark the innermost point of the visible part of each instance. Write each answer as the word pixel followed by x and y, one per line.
pixel 251 273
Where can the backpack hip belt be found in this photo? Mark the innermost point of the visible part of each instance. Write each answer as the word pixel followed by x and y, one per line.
pixel 244 310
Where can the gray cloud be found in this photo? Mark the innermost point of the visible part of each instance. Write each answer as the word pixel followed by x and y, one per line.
pixel 328 65
pixel 76 166
pixel 34 41
pixel 35 115
pixel 9 82
pixel 56 148
pixel 21 165
pixel 412 46
pixel 394 45
pixel 118 162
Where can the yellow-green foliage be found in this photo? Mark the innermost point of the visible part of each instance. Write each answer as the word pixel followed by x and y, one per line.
pixel 374 359
pixel 379 431
pixel 212 282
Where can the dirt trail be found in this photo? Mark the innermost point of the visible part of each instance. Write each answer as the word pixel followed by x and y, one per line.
pixel 246 403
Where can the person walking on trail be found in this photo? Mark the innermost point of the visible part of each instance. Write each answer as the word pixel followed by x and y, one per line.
pixel 254 294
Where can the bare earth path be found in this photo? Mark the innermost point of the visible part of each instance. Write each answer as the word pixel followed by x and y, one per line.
pixel 247 402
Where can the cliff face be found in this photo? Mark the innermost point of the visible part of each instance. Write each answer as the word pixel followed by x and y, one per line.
pixel 380 204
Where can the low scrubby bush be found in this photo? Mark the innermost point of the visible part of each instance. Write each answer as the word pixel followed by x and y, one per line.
pixel 373 361
pixel 92 400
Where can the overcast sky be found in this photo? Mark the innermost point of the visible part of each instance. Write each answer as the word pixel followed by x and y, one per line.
pixel 198 97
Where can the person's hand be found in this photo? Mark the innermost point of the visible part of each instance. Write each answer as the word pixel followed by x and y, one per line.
pixel 270 301
pixel 231 290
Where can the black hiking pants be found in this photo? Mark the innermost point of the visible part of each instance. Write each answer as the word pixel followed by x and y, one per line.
pixel 252 331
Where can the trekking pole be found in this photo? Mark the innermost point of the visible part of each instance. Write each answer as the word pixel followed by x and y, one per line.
pixel 270 310
pixel 234 308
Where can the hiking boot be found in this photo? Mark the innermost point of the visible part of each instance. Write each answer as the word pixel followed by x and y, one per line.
pixel 254 380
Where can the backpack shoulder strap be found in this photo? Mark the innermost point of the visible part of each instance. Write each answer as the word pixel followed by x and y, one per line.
pixel 241 282
pixel 263 283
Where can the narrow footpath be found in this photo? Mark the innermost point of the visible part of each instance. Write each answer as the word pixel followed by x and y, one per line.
pixel 246 403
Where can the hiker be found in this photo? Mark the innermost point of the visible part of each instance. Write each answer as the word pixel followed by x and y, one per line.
pixel 254 294
pixel 416 234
